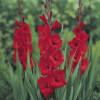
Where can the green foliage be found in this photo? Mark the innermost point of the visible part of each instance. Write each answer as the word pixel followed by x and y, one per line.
pixel 96 49
pixel 5 87
pixel 24 83
pixel 65 11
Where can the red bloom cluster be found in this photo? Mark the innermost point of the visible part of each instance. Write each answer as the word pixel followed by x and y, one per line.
pixel 22 43
pixel 51 57
pixel 79 47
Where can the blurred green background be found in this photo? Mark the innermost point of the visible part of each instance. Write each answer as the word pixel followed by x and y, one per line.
pixel 64 10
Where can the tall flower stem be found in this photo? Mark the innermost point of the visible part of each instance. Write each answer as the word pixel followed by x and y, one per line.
pixel 80 11
pixel 47 7
pixel 20 7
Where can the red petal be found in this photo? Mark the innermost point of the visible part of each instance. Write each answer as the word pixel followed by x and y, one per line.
pixel 56 25
pixel 55 41
pixel 84 66
pixel 57 78
pixel 22 42
pixel 44 86
pixel 44 19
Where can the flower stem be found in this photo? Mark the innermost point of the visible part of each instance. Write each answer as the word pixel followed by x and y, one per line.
pixel 80 11
pixel 20 7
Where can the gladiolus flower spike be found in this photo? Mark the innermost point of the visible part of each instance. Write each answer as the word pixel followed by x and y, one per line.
pixel 51 57
pixel 79 47
pixel 22 43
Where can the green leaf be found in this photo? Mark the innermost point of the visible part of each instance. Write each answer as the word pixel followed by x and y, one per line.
pixel 68 89
pixel 19 69
pixel 71 94
pixel 29 88
pixel 78 88
pixel 31 80
pixel 75 73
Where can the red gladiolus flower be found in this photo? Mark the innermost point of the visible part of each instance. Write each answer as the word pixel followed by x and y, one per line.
pixel 77 29
pixel 22 43
pixel 74 43
pixel 56 58
pixel 56 25
pixel 44 19
pixel 84 65
pixel 79 47
pixel 57 78
pixel 44 66
pixel 44 31
pixel 83 36
pixel 74 64
pixel 43 48
pixel 44 36
pixel 51 57
pixel 82 25
pixel 55 41
pixel 44 86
